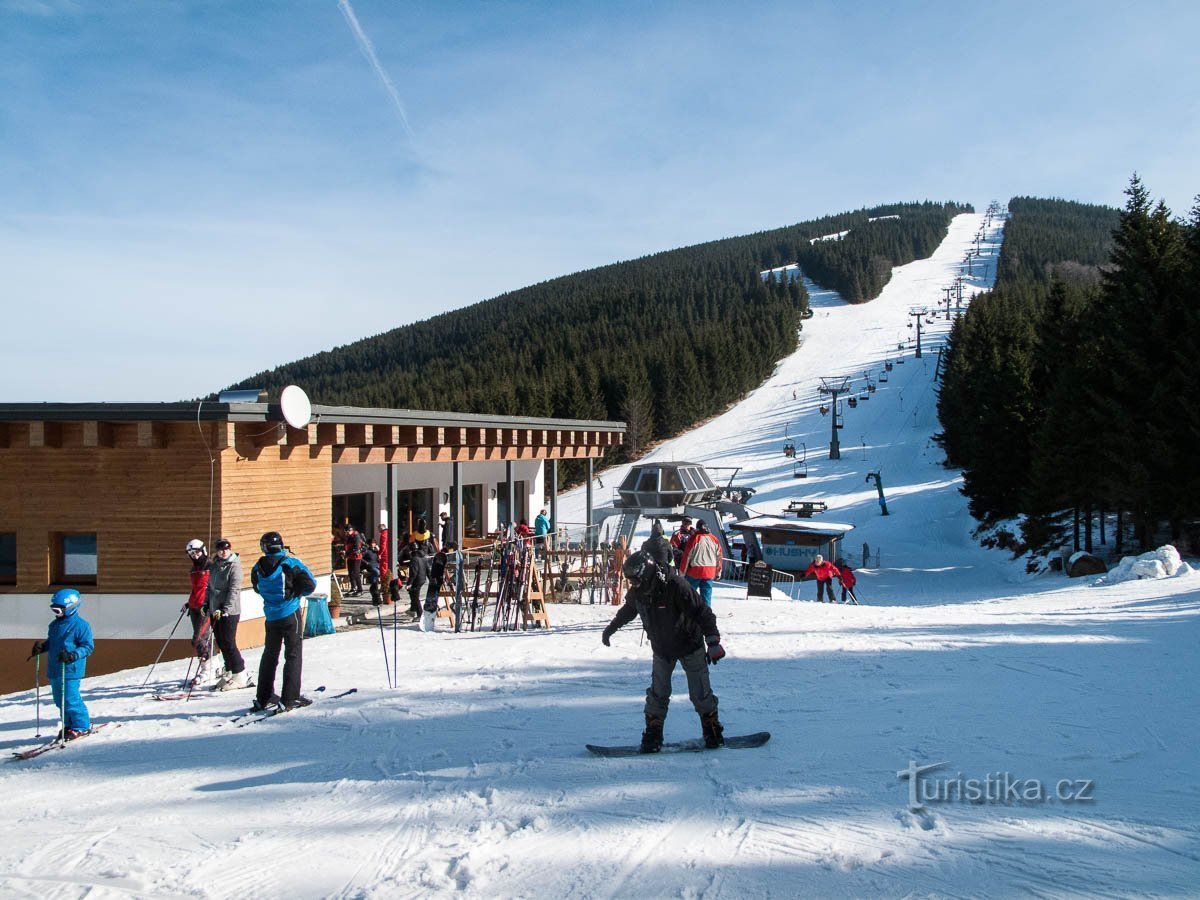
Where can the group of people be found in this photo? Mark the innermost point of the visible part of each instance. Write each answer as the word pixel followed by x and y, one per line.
pixel 825 572
pixel 693 551
pixel 214 607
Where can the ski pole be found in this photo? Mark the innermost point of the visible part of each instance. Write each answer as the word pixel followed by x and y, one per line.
pixel 62 708
pixel 37 687
pixel 395 631
pixel 383 642
pixel 182 612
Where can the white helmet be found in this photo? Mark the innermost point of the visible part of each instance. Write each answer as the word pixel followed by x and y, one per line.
pixel 193 545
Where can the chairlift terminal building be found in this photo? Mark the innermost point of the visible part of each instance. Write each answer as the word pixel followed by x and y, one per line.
pixel 104 496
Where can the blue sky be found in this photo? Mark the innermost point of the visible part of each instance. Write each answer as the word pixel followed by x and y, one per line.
pixel 193 192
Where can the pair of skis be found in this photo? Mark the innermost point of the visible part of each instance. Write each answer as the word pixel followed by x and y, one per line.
pixel 56 744
pixel 255 716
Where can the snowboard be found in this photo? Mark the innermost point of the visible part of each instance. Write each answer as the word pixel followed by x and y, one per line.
pixel 695 745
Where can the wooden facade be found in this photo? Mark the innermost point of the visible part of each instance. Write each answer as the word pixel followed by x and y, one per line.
pixel 145 478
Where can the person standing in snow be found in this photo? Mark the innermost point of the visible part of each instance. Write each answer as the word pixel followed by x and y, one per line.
pixel 371 565
pixel 224 606
pixel 354 554
pixel 281 580
pixel 68 644
pixel 447 528
pixel 541 528
pixel 824 572
pixel 414 556
pixel 682 630
pixel 679 540
pixel 701 561
pixel 658 546
pixel 197 612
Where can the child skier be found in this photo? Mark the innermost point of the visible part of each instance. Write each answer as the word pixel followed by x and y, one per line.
pixel 848 579
pixel 196 608
pixel 68 644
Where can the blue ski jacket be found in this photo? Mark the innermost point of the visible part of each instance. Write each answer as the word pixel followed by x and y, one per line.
pixel 72 632
pixel 281 581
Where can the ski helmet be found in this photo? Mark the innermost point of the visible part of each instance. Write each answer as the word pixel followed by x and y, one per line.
pixel 271 542
pixel 640 568
pixel 66 599
pixel 195 544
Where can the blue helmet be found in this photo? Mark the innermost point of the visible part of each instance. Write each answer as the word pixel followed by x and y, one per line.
pixel 66 599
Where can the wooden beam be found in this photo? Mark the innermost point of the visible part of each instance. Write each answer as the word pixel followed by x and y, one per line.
pixel 267 434
pixel 224 435
pixel 387 435
pixel 97 434
pixel 5 434
pixel 152 434
pixel 411 435
pixel 358 435
pixel 331 433
pixel 45 434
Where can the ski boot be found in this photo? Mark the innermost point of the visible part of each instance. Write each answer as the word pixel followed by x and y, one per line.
pixel 260 706
pixel 652 737
pixel 235 682
pixel 201 673
pixel 297 703
pixel 714 732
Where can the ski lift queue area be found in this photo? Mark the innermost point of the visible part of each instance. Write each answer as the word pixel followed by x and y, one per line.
pixel 104 496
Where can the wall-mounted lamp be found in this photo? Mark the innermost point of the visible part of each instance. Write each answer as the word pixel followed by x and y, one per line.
pixel 493 493
pixel 445 497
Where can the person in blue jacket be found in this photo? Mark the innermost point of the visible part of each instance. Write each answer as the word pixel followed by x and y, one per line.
pixel 68 644
pixel 281 580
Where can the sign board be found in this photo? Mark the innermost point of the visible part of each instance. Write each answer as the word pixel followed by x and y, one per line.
pixel 758 580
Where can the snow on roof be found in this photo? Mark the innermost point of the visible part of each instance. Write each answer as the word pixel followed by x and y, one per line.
pixel 830 237
pixel 878 218
pixel 777 523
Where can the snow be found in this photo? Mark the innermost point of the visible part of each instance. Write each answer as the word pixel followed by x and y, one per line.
pixel 470 777
pixel 1164 562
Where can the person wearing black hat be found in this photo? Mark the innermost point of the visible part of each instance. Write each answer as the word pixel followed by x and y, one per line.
pixel 354 545
pixel 224 605
pixel 281 580
pixel 682 630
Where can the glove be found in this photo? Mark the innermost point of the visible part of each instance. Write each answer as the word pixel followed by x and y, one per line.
pixel 67 656
pixel 715 651
pixel 216 615
pixel 376 599
pixel 183 608
pixel 606 637
pixel 39 647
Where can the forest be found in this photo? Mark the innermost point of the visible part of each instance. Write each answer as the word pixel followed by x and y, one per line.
pixel 1069 390
pixel 659 342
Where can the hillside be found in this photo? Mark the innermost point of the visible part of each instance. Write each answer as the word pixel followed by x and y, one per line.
pixel 470 779
pixel 638 341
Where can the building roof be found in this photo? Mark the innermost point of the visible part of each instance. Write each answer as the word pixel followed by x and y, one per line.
pixel 212 411
pixel 775 523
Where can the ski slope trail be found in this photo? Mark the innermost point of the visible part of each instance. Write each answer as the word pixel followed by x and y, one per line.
pixel 471 778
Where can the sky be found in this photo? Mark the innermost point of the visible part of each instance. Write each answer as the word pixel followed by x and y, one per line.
pixel 191 193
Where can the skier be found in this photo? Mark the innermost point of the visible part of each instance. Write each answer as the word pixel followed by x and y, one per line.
pixel 371 565
pixel 701 561
pixel 224 606
pixel 848 579
pixel 679 625
pixel 414 556
pixel 68 644
pixel 197 612
pixel 824 572
pixel 281 580
pixel 354 555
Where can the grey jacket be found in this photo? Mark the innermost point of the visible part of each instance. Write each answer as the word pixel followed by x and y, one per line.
pixel 225 585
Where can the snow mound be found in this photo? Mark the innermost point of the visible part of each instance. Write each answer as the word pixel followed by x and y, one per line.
pixel 1164 562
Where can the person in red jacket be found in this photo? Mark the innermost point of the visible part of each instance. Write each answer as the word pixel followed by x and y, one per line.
pixel 701 561
pixel 679 540
pixel 824 572
pixel 848 579
pixel 195 606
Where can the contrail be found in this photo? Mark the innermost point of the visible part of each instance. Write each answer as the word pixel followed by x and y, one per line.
pixel 368 50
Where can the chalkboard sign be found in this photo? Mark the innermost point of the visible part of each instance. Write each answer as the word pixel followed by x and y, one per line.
pixel 758 580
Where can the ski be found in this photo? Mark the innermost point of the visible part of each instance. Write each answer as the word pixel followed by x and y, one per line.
pixel 277 710
pixel 54 744
pixel 695 745
pixel 255 712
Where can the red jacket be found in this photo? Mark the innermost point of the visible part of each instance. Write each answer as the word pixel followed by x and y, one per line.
pixel 354 545
pixel 701 556
pixel 199 587
pixel 849 579
pixel 826 571
pixel 384 559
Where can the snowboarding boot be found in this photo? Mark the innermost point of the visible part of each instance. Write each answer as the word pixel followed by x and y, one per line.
pixel 714 732
pixel 652 737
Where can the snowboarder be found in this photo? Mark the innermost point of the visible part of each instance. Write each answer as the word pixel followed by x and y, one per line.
pixel 281 580
pixel 701 561
pixel 680 626
pixel 224 606
pixel 68 644
pixel 848 579
pixel 824 572
pixel 197 612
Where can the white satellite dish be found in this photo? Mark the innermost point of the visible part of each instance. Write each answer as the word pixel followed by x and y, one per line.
pixel 297 411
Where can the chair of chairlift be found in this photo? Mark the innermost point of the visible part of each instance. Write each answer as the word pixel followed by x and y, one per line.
pixel 789 449
pixel 887 366
pixel 824 410
pixel 871 387
pixel 852 402
pixel 800 470
pixel 883 376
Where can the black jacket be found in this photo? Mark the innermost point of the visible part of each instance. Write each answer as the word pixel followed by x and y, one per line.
pixel 673 615
pixel 659 549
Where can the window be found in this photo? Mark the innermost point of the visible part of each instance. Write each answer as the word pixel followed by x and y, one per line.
pixel 471 519
pixel 8 557
pixel 412 505
pixel 522 505
pixel 75 560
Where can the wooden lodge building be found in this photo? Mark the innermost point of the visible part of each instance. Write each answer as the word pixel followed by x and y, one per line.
pixel 104 496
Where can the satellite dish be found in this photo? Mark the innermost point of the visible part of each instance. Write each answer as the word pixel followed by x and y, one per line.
pixel 297 411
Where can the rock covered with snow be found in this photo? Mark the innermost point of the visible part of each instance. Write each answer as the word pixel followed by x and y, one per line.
pixel 1164 562
pixel 1084 563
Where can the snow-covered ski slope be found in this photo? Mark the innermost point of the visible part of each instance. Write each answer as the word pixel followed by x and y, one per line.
pixel 471 778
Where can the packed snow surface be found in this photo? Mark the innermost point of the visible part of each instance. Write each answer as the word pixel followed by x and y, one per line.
pixel 471 777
